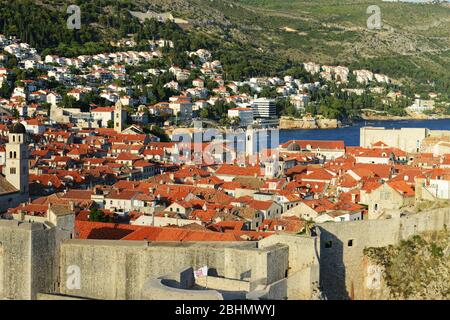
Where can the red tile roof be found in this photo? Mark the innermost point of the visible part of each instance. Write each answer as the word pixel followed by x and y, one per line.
pixel 78 194
pixel 402 187
pixel 239 171
pixel 111 231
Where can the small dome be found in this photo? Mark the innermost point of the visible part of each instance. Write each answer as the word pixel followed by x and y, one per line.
pixel 18 128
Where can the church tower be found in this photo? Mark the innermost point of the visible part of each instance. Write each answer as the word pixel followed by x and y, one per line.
pixel 251 141
pixel 120 117
pixel 16 169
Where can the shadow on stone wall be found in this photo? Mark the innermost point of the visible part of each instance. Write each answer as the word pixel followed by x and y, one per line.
pixel 332 268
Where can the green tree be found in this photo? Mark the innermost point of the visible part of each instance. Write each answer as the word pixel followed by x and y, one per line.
pixel 96 215
pixel 6 90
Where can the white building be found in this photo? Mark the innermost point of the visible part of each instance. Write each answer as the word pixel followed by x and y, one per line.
pixel 440 188
pixel 420 105
pixel 54 98
pixel 300 101
pixel 102 115
pixel 312 67
pixel 34 126
pixel 182 107
pixel 363 76
pixel 338 216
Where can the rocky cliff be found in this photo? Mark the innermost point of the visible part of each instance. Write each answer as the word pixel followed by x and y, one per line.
pixel 418 268
pixel 308 123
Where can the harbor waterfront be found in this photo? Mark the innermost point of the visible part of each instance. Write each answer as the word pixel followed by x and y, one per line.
pixel 350 134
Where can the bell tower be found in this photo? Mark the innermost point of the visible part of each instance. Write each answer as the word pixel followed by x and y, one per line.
pixel 120 117
pixel 16 169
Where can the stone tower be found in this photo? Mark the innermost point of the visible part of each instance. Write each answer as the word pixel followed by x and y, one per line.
pixel 120 117
pixel 250 141
pixel 271 167
pixel 16 172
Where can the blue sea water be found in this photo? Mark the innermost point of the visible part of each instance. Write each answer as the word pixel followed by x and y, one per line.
pixel 351 134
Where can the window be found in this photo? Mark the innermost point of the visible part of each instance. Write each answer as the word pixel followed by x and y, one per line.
pixel 328 244
pixel 12 170
pixel 350 243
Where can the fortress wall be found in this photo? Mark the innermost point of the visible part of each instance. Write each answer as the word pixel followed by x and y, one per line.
pixel 27 259
pixel 223 284
pixel 342 267
pixel 275 263
pixel 440 133
pixel 303 250
pixel 261 266
pixel 303 269
pixel 118 269
pixel 45 262
pixel 407 139
pixel 15 260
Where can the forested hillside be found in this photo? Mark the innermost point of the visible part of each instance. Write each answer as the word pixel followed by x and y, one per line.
pixel 256 37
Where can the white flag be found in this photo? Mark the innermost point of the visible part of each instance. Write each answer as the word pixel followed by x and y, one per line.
pixel 202 272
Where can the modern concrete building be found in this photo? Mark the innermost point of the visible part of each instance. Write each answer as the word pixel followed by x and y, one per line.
pixel 264 108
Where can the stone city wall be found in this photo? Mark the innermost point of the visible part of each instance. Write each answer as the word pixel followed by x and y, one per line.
pixel 28 263
pixel 303 270
pixel 342 271
pixel 117 269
